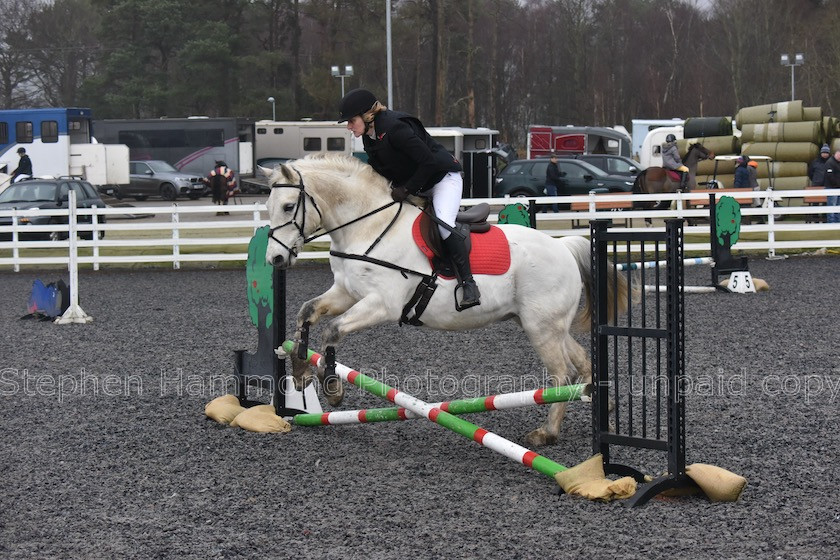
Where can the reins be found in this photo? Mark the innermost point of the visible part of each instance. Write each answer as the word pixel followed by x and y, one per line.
pixel 425 288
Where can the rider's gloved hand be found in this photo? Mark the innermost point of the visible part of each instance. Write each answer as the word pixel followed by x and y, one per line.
pixel 399 193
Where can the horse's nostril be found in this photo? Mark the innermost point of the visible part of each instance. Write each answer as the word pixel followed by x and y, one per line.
pixel 278 260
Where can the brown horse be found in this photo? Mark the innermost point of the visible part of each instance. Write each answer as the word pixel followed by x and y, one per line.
pixel 657 180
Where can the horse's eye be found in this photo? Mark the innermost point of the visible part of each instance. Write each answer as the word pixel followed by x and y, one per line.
pixel 288 207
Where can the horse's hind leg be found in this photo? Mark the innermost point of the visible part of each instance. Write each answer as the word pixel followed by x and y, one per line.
pixel 551 345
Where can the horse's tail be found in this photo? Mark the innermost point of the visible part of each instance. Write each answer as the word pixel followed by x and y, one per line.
pixel 618 288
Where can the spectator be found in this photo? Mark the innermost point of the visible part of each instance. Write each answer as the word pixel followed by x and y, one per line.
pixel 742 174
pixel 222 182
pixel 832 181
pixel 816 169
pixel 752 168
pixel 24 168
pixel 553 181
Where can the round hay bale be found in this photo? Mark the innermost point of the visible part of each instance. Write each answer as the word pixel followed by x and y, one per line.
pixel 805 131
pixel 782 169
pixel 707 167
pixel 785 183
pixel 720 145
pixel 812 113
pixel 835 145
pixel 703 127
pixel 786 111
pixel 782 151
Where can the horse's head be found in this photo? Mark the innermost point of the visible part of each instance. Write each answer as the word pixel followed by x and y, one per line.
pixel 293 214
pixel 700 152
pixel 318 192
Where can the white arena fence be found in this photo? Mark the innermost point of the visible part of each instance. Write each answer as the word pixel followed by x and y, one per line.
pixel 194 234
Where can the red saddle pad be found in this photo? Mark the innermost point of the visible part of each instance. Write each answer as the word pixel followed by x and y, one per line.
pixel 490 253
pixel 674 175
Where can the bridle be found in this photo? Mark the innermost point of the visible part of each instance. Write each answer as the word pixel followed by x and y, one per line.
pixel 300 207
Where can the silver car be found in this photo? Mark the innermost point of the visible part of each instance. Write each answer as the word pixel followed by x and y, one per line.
pixel 159 178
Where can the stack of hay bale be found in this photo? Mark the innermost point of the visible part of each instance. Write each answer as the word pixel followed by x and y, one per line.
pixel 788 133
pixel 715 134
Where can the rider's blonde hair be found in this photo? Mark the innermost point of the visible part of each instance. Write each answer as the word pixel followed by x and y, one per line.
pixel 377 108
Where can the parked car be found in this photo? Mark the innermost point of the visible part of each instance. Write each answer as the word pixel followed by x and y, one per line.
pixel 158 178
pixel 611 164
pixel 526 177
pixel 45 194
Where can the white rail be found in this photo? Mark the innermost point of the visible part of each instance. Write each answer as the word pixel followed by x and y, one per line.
pixel 189 230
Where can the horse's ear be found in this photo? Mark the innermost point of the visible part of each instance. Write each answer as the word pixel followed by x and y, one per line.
pixel 289 173
pixel 264 171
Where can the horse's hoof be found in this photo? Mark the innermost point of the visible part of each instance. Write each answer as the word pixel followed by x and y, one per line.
pixel 539 438
pixel 334 391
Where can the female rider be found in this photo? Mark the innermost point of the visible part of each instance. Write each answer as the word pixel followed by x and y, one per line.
pixel 400 149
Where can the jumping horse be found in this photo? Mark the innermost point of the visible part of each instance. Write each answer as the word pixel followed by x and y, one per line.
pixel 377 266
pixel 660 180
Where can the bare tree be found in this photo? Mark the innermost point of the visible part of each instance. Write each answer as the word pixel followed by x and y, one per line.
pixel 15 71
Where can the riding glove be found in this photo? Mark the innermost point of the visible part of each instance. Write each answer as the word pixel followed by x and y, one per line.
pixel 399 193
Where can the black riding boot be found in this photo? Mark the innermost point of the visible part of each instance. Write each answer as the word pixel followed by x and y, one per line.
pixel 470 295
pixel 683 181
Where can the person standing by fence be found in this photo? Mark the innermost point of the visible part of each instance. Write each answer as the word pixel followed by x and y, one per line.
pixel 816 169
pixel 832 181
pixel 553 181
pixel 222 182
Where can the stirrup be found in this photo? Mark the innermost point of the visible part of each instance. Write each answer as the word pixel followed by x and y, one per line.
pixel 460 306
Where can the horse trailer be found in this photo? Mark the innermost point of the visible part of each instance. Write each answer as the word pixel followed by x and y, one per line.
pixel 60 144
pixel 192 144
pixel 571 140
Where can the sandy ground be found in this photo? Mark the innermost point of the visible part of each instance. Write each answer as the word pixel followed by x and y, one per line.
pixel 106 452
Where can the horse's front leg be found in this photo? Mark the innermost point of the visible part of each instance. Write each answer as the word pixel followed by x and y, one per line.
pixel 367 312
pixel 334 301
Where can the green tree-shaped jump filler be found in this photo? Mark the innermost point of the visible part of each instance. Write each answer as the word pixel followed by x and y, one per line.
pixel 728 221
pixel 259 275
pixel 516 213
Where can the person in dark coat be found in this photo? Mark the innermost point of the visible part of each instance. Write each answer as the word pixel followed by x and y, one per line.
pixel 400 149
pixel 832 181
pixel 553 181
pixel 742 174
pixel 222 183
pixel 816 169
pixel 24 168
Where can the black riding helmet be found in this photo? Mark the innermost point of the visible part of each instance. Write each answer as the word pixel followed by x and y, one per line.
pixel 670 138
pixel 356 102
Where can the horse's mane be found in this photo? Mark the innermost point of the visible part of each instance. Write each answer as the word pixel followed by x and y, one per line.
pixel 340 166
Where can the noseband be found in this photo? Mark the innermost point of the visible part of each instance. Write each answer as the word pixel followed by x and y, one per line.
pixel 300 207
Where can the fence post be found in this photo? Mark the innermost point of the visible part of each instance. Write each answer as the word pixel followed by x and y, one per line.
pixel 74 313
pixel 176 235
pixel 94 235
pixel 15 240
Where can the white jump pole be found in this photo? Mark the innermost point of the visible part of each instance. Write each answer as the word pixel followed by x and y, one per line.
pixel 74 313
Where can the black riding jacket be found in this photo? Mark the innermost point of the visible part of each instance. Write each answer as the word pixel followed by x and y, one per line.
pixel 405 154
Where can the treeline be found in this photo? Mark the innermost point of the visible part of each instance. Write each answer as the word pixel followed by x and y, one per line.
pixel 498 63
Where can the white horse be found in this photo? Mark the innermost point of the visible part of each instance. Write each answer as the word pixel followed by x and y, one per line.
pixel 541 290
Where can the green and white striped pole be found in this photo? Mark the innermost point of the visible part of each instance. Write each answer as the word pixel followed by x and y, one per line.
pixel 447 420
pixel 462 406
